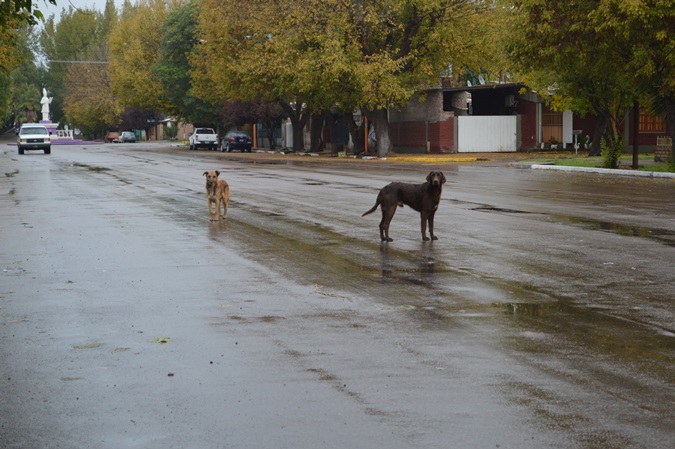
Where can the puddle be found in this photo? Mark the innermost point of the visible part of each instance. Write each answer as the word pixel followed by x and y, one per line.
pixel 88 346
pixel 664 236
pixel 91 167
pixel 418 284
pixel 564 327
pixel 499 210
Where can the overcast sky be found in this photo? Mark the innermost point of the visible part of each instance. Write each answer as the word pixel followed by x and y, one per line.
pixel 49 9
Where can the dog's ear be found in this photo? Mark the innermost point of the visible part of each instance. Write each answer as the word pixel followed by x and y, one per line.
pixel 429 176
pixel 217 173
pixel 442 177
pixel 205 173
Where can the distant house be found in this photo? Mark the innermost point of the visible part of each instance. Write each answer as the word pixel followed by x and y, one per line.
pixel 160 130
pixel 504 117
pixel 498 118
pixel 483 118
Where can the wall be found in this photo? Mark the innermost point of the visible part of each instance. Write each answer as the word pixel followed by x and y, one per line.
pixel 528 123
pixel 423 126
pixel 483 134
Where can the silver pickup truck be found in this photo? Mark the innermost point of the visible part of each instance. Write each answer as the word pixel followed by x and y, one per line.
pixel 203 137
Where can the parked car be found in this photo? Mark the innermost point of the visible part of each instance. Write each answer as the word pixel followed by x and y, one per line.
pixel 33 136
pixel 203 137
pixel 112 137
pixel 236 140
pixel 127 136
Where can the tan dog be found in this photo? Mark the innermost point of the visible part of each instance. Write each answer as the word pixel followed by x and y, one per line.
pixel 217 192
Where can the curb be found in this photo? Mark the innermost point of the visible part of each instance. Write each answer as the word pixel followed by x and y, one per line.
pixel 605 171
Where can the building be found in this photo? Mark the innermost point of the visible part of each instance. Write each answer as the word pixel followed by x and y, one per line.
pixel 503 117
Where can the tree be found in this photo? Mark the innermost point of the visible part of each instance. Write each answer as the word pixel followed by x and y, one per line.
pixel 89 102
pixel 649 28
pixel 271 117
pixel 284 52
pixel 9 58
pixel 315 55
pixel 135 46
pixel 238 113
pixel 173 68
pixel 26 102
pixel 26 12
pixel 20 79
pixel 404 46
pixel 134 118
pixel 565 51
pixel 17 64
pixel 64 42
pixel 11 50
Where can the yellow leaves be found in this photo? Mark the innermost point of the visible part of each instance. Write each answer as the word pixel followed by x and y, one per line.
pixel 135 45
pixel 89 101
pixel 324 51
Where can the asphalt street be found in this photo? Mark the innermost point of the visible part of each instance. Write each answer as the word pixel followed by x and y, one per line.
pixel 543 317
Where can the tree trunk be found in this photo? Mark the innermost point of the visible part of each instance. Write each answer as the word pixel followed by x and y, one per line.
pixel 670 120
pixel 636 134
pixel 270 127
pixel 380 119
pixel 316 133
pixel 598 134
pixel 299 135
pixel 299 117
pixel 356 133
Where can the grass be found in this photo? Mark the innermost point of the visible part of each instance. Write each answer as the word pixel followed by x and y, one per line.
pixel 645 161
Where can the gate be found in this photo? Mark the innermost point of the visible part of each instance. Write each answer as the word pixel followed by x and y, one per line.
pixel 488 134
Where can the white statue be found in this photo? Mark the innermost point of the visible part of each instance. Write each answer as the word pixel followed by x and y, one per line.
pixel 45 104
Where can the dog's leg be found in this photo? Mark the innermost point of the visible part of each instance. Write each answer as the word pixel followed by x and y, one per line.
pixel 226 200
pixel 424 227
pixel 387 215
pixel 212 215
pixel 431 226
pixel 218 202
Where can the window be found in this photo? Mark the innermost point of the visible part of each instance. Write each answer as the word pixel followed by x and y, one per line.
pixel 552 126
pixel 651 124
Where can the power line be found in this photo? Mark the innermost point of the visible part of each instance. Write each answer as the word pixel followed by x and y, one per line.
pixel 78 62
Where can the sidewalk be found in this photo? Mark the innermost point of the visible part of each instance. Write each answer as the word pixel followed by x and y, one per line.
pixel 502 159
pixel 517 160
pixel 605 171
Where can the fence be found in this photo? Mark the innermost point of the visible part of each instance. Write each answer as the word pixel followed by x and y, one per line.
pixel 664 146
pixel 483 134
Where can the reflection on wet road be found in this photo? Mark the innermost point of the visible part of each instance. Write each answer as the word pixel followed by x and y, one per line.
pixel 561 310
pixel 542 317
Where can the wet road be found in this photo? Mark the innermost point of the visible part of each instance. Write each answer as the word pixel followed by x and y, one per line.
pixel 543 317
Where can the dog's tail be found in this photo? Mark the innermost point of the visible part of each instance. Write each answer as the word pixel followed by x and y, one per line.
pixel 377 203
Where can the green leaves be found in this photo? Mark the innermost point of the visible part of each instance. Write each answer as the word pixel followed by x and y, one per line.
pixel 21 11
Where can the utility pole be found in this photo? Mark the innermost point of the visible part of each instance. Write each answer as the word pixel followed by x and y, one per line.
pixel 636 133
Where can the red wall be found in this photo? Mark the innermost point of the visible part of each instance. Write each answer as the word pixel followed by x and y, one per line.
pixel 528 123
pixel 442 136
pixel 412 136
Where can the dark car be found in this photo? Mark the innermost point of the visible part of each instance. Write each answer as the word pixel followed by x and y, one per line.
pixel 236 140
pixel 127 136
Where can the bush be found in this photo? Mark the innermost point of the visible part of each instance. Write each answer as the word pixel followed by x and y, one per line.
pixel 611 151
pixel 170 132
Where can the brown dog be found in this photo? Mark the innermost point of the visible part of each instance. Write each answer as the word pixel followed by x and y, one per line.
pixel 217 192
pixel 423 198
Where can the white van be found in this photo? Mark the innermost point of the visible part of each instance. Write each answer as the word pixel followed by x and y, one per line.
pixel 33 136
